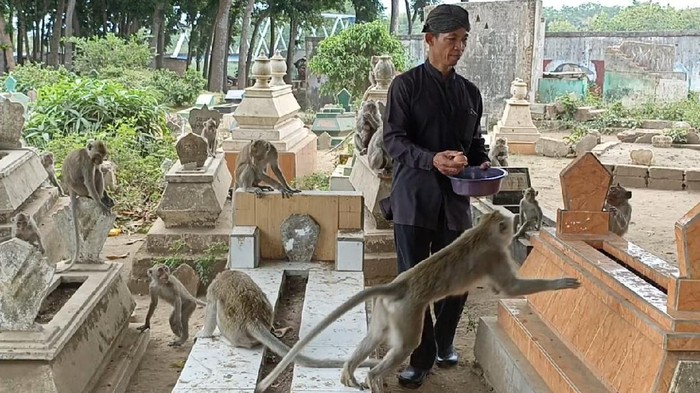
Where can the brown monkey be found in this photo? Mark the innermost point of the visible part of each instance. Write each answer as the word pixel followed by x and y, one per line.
pixel 530 212
pixel 82 177
pixel 498 154
pixel 368 122
pixel 24 227
pixel 47 161
pixel 165 285
pixel 209 134
pixel 617 203
pixel 244 316
pixel 377 157
pixel 397 315
pixel 251 165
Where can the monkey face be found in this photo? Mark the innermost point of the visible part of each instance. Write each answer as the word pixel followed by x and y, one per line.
pixel 47 159
pixel 500 141
pixel 97 151
pixel 530 193
pixel 618 194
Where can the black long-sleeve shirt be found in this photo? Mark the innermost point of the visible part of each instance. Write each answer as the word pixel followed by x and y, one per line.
pixel 427 113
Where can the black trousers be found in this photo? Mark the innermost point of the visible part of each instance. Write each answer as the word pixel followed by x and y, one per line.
pixel 414 244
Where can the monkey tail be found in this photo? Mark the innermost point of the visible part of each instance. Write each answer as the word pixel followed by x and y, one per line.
pixel 521 230
pixel 383 290
pixel 200 302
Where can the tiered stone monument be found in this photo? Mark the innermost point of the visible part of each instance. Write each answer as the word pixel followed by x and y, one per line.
pixel 632 326
pixel 516 123
pixel 67 348
pixel 382 72
pixel 268 111
pixel 193 209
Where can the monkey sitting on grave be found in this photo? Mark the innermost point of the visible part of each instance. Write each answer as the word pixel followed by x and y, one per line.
pixel 47 161
pixel 164 285
pixel 82 177
pixel 209 134
pixel 498 154
pixel 530 212
pixel 617 203
pixel 24 228
pixel 377 157
pixel 369 120
pixel 244 316
pixel 251 165
pixel 397 316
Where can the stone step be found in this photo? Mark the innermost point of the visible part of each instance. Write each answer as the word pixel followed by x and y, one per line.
pixel 164 240
pixel 125 361
pixel 562 370
pixel 380 265
pixel 379 240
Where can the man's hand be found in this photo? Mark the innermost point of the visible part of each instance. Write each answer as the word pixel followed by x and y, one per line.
pixel 445 163
pixel 485 165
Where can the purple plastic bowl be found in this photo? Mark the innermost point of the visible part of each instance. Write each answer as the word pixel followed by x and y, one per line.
pixel 476 182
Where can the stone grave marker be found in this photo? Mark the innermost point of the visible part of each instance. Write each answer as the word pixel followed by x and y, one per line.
pixel 205 100
pixel 33 95
pixel 299 235
pixel 13 114
pixel 10 84
pixel 94 229
pixel 324 141
pixel 344 99
pixel 234 96
pixel 512 186
pixel 25 276
pixel 199 116
pixel 192 151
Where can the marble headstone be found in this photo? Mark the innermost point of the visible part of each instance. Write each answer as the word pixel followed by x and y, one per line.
pixel 94 229
pixel 192 151
pixel 299 235
pixel 13 114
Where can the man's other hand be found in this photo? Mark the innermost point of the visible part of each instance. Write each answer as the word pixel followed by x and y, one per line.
pixel 485 165
pixel 445 163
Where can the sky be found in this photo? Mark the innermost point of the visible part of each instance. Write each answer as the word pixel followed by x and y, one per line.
pixel 574 3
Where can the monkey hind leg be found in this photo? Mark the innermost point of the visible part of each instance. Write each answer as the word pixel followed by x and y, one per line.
pixel 375 336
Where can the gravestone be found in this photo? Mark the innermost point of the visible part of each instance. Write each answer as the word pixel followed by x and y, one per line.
pixel 10 84
pixel 25 277
pixel 12 117
pixel 512 187
pixel 199 116
pixel 299 235
pixel 344 99
pixel 192 151
pixel 32 95
pixel 94 229
pixel 204 100
pixel 235 96
pixel 324 141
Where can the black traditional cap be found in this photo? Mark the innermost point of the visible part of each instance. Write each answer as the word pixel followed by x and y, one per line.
pixel 446 18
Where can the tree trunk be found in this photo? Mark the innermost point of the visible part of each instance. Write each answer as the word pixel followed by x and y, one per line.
pixel 291 47
pixel 273 37
pixel 6 41
pixel 219 50
pixel 245 47
pixel 20 39
pixel 253 43
pixel 408 16
pixel 229 32
pixel 394 25
pixel 56 34
pixel 207 56
pixel 68 51
pixel 156 31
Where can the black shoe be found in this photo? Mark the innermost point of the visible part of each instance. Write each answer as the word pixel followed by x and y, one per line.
pixel 412 378
pixel 447 359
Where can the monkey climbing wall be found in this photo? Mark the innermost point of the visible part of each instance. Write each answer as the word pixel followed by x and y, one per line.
pixel 633 326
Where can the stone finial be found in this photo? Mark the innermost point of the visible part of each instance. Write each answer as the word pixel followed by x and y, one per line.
pixel 518 89
pixel 384 71
pixel 25 276
pixel 94 228
pixel 199 116
pixel 191 150
pixel 687 232
pixel 13 114
pixel 584 184
pixel 261 71
pixel 278 69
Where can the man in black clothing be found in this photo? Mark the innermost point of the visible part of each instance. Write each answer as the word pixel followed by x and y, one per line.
pixel 432 116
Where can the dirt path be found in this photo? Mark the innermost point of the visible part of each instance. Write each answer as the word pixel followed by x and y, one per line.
pixel 654 215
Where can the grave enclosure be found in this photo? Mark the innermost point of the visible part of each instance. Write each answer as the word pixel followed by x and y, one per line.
pixel 59 332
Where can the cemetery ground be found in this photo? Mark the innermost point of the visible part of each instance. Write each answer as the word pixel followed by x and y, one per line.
pixel 654 215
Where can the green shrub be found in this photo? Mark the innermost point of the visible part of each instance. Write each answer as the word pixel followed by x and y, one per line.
pixel 316 181
pixel 177 90
pixel 35 77
pixel 138 175
pixel 86 106
pixel 97 53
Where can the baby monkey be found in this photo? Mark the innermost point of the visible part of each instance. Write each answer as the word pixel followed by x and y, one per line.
pixel 244 316
pixel 164 285
pixel 530 212
pixel 617 203
pixel 47 161
pixel 498 154
pixel 399 307
pixel 24 228
pixel 209 134
pixel 251 164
